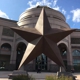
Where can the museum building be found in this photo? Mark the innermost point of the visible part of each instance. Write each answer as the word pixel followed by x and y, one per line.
pixel 12 46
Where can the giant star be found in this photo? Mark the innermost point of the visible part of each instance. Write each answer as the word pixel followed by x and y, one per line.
pixel 42 39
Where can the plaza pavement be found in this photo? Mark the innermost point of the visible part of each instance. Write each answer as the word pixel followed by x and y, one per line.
pixel 38 76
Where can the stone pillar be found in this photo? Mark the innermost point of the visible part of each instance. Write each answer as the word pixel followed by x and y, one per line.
pixel 34 64
pixel 69 55
pixel 1 29
pixel 13 52
pixel 48 64
pixel 13 55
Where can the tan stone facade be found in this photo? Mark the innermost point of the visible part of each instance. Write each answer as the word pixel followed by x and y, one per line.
pixel 12 46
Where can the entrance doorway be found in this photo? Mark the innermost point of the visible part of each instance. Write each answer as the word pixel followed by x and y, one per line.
pixel 4 62
pixel 20 52
pixel 65 63
pixel 63 51
pixel 41 62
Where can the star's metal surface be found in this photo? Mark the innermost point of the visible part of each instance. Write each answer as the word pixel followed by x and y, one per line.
pixel 42 39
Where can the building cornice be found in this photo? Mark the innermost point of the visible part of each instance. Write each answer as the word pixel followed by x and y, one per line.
pixel 8 19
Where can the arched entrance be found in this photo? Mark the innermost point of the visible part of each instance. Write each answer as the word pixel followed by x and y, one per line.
pixel 63 51
pixel 20 51
pixel 5 55
pixel 41 62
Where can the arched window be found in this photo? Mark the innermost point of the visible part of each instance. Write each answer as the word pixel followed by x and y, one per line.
pixel 63 49
pixel 76 53
pixel 6 47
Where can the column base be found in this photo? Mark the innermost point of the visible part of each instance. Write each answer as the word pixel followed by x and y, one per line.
pixel 17 73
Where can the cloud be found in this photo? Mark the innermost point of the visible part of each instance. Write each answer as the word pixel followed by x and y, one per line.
pixel 68 17
pixel 76 15
pixel 63 11
pixel 34 3
pixel 3 15
pixel 55 2
pixel 57 8
pixel 49 3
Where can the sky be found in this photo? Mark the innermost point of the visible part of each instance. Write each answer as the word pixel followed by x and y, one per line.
pixel 11 9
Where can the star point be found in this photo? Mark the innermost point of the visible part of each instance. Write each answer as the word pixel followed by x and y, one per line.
pixel 42 24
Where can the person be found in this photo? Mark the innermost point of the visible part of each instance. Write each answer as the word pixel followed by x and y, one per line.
pixel 72 70
pixel 38 69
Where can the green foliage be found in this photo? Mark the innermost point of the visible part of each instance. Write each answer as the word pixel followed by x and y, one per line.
pixel 51 78
pixel 60 78
pixel 23 77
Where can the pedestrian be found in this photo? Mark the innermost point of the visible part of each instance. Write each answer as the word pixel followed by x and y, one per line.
pixel 72 70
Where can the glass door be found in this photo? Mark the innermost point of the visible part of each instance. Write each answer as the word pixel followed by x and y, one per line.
pixel 41 62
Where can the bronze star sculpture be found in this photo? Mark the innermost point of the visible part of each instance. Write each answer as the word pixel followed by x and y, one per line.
pixel 42 39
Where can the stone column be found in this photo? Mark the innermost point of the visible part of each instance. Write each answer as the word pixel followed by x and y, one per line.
pixel 13 52
pixel 69 55
pixel 1 29
pixel 13 55
pixel 48 64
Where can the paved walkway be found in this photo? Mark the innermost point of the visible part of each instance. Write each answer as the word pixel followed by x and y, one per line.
pixel 38 76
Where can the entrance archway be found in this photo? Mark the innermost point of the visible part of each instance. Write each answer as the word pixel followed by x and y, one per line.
pixel 63 51
pixel 41 62
pixel 5 55
pixel 20 51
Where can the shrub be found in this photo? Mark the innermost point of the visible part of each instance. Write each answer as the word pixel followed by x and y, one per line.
pixel 50 77
pixel 23 77
pixel 60 78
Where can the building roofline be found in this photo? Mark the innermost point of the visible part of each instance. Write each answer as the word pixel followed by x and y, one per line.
pixel 77 30
pixel 8 19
